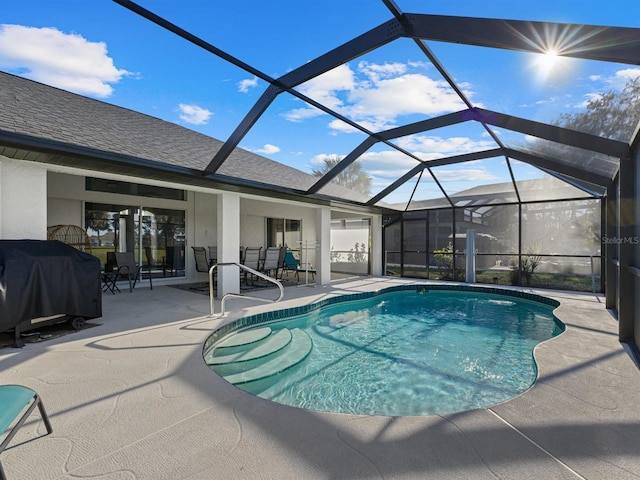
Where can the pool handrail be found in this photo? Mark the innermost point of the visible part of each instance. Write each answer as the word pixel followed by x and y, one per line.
pixel 226 295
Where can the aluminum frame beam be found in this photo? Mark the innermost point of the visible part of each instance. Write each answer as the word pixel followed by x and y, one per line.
pixel 553 133
pixel 385 136
pixel 565 136
pixel 567 170
pixel 591 42
pixel 400 181
pixel 368 41
pixel 425 125
pixel 587 187
pixel 344 163
pixel 569 173
pixel 360 45
pixel 439 162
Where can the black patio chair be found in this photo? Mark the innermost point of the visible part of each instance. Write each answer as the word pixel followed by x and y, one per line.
pixel 129 269
pixel 174 260
pixel 202 260
pixel 271 263
pixel 153 263
pixel 251 259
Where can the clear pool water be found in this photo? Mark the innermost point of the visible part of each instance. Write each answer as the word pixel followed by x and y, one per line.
pixel 414 353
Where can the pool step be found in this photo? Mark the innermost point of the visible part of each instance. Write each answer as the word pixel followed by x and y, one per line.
pixel 247 337
pixel 295 352
pixel 271 345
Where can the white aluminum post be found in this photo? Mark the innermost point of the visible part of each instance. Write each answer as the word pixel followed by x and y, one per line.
pixel 228 242
pixel 471 256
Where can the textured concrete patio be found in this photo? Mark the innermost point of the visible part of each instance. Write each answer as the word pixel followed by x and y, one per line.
pixel 133 399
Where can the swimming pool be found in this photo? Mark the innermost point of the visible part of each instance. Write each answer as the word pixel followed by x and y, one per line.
pixel 421 350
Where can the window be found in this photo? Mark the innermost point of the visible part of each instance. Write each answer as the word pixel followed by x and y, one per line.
pixel 155 235
pixel 284 232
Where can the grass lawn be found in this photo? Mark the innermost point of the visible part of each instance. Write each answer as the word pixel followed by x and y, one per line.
pixel 556 281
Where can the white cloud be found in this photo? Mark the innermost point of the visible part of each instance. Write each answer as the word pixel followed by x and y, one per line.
pixel 301 114
pixel 323 89
pixel 387 163
pixel 374 95
pixel 245 85
pixel 588 97
pixel 617 81
pixel 376 72
pixel 268 149
pixel 338 126
pixel 67 61
pixel 622 76
pixel 426 146
pixel 404 95
pixel 544 101
pixel 194 114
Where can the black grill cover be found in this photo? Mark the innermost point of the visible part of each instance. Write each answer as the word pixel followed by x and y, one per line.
pixel 41 278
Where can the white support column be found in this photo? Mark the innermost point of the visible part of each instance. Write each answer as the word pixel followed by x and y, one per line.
pixel 23 200
pixel 323 255
pixel 376 245
pixel 228 239
pixel 471 257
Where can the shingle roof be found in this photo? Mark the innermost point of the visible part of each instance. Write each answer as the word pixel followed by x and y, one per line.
pixel 33 109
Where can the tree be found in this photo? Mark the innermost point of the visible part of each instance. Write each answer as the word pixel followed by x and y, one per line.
pixel 353 177
pixel 614 114
pixel 98 221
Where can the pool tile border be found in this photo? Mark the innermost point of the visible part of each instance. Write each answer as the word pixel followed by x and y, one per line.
pixel 267 317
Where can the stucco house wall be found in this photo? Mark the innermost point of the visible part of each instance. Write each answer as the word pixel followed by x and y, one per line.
pixel 23 197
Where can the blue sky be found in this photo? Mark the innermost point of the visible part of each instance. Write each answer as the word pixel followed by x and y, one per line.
pixel 99 49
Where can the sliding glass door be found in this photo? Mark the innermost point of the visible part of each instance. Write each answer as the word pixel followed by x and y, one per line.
pixel 155 235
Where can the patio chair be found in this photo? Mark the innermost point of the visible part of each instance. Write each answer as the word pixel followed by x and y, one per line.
pixel 129 269
pixel 271 259
pixel 203 264
pixel 153 263
pixel 291 264
pixel 251 259
pixel 111 265
pixel 281 266
pixel 110 274
pixel 174 260
pixel 13 401
pixel 202 261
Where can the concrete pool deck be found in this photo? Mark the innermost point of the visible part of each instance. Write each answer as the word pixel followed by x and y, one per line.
pixel 132 398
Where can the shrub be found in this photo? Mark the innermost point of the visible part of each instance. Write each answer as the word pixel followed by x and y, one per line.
pixel 444 262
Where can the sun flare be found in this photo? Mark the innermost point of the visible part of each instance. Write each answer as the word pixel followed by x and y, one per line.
pixel 547 64
pixel 550 56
